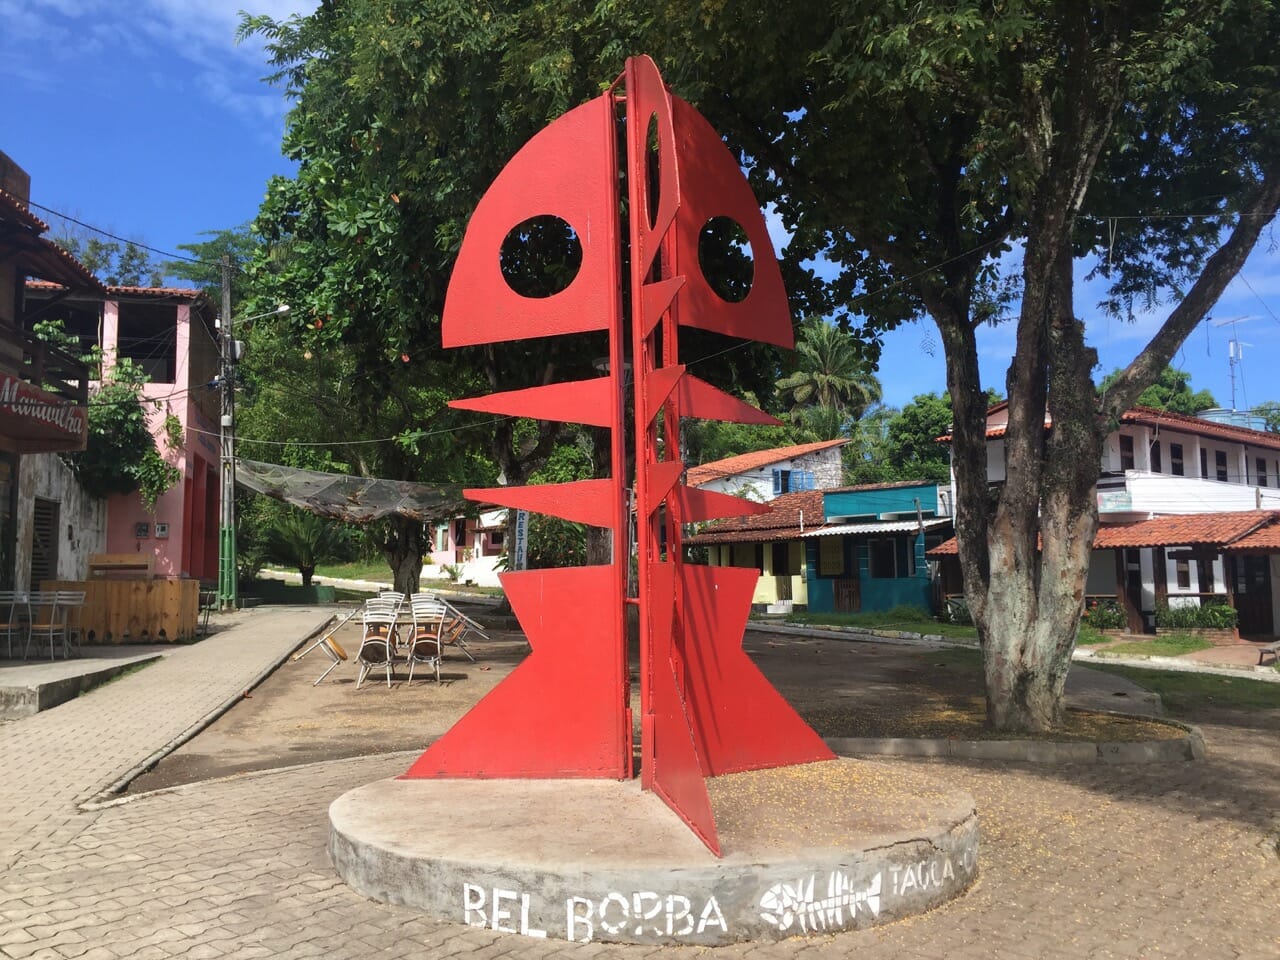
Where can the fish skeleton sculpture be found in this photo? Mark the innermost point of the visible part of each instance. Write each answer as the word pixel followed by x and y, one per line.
pixel 706 709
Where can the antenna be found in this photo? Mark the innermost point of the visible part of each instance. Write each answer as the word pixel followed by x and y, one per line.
pixel 1235 351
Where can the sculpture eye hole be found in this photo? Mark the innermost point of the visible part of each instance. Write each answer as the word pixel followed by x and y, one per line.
pixel 652 170
pixel 540 256
pixel 724 254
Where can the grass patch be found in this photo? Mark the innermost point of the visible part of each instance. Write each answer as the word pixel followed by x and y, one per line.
pixel 908 619
pixel 1186 692
pixel 376 570
pixel 1164 645
pixel 1089 637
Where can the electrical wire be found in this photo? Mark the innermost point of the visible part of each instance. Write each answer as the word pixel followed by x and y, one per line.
pixel 107 233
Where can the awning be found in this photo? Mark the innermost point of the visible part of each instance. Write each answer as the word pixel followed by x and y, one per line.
pixel 35 421
pixel 351 499
pixel 875 527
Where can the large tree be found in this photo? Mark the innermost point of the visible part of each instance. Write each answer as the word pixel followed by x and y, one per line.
pixel 935 151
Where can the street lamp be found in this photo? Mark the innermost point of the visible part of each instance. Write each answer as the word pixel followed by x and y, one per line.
pixel 228 587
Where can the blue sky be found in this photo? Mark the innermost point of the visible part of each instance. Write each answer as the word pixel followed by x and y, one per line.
pixel 147 120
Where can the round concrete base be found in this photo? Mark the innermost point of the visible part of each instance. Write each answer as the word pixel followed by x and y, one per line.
pixel 808 849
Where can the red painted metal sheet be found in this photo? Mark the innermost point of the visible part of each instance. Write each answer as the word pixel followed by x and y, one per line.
pixel 563 171
pixel 662 477
pixel 657 299
pixel 698 504
pixel 558 713
pixel 577 401
pixel 581 501
pixel 701 400
pixel 649 109
pixel 659 385
pixel 712 185
pixel 677 774
pixel 740 721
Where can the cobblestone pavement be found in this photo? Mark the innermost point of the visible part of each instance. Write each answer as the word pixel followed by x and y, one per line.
pixel 1175 861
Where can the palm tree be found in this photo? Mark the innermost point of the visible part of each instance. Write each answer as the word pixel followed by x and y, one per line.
pixel 830 376
pixel 301 539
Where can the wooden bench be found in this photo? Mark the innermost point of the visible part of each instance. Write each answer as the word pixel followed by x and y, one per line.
pixel 137 566
pixel 1271 648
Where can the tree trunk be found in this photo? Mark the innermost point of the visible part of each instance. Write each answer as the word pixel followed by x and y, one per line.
pixel 403 546
pixel 307 574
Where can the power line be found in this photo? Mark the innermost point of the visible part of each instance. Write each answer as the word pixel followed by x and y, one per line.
pixel 107 233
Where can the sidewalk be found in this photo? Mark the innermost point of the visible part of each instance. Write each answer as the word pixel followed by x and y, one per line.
pixel 63 757
pixel 1078 862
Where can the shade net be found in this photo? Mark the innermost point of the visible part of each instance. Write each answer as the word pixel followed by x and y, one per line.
pixel 351 499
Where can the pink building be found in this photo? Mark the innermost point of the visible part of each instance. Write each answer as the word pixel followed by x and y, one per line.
pixel 170 334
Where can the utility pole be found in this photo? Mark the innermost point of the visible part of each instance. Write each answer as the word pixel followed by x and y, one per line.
pixel 227 585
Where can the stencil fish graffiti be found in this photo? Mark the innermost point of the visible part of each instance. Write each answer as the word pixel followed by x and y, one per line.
pixel 705 708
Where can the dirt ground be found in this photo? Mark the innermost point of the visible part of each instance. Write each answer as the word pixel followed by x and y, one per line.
pixel 842 688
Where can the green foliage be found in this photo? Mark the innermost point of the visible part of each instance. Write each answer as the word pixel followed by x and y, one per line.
pixel 114 263
pixel 174 435
pixel 555 543
pixel 302 540
pixel 1184 693
pixel 1104 615
pixel 1172 391
pixel 830 379
pixel 1205 615
pixel 239 243
pixel 120 455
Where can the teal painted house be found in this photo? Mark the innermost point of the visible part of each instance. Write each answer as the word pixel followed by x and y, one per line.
pixel 869 553
pixel 851 548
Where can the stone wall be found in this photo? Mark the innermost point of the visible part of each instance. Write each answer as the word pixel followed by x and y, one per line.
pixel 82 519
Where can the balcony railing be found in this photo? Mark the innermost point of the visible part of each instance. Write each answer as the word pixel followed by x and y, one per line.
pixel 44 365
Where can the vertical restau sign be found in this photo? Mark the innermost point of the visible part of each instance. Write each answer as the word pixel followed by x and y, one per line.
pixel 521 555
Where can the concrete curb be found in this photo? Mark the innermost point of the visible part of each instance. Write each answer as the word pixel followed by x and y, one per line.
pixel 104 796
pixel 1190 747
pixel 27 701
pixel 621 867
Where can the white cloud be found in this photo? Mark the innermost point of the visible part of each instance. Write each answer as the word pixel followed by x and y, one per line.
pixel 41 39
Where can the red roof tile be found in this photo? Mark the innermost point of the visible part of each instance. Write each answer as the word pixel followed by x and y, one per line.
pixel 744 462
pixel 1187 530
pixel 782 521
pixel 15 211
pixel 36 256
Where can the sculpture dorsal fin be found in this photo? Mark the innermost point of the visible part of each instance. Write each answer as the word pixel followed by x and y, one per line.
pixel 564 172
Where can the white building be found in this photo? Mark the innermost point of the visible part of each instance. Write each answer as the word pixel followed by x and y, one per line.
pixel 765 474
pixel 1185 505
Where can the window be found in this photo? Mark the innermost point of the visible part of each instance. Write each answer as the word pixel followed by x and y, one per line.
pixel 1156 465
pixel 148 335
pixel 442 537
pixel 1175 460
pixel 781 559
pixel 44 541
pixel 495 538
pixel 1220 464
pixel 882 559
pixel 1126 452
pixel 830 557
pixel 1204 463
pixel 789 481
pixel 1183 568
pixel 1262 471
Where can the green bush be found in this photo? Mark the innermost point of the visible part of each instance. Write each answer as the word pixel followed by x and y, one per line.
pixel 1207 616
pixel 1104 615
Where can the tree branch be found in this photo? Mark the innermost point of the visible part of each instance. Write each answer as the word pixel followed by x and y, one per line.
pixel 1219 271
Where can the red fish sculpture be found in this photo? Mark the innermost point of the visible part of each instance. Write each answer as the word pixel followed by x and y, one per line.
pixel 706 709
